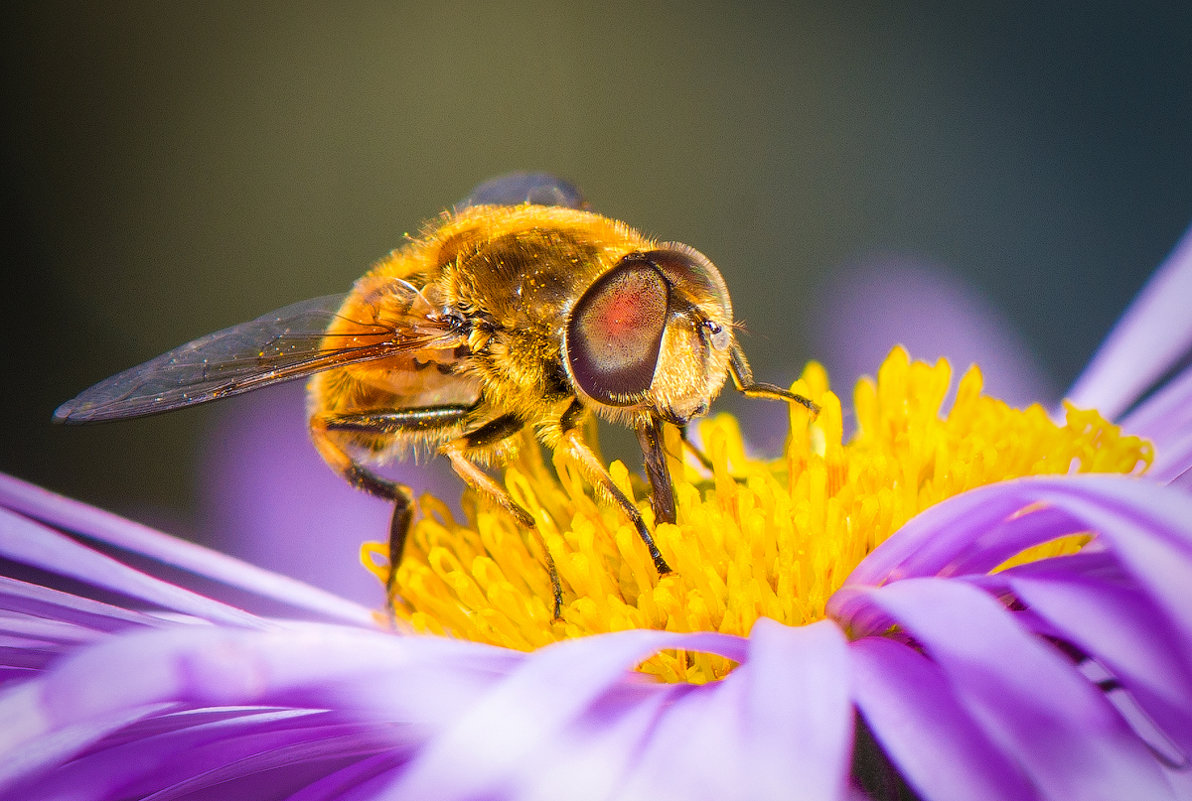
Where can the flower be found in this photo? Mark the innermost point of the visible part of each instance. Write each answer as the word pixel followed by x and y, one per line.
pixel 767 540
pixel 987 603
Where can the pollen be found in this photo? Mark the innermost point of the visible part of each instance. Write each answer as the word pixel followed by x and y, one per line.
pixel 754 537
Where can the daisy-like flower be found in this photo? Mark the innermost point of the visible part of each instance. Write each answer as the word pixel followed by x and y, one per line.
pixel 978 602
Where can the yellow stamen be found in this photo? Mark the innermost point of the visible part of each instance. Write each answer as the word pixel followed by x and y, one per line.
pixel 771 538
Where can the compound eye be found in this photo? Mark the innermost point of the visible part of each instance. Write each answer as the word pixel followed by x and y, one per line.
pixel 615 332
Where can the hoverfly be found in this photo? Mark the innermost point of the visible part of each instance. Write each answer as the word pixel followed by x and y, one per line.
pixel 517 308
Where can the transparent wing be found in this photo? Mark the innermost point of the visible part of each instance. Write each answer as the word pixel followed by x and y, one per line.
pixel 538 188
pixel 280 346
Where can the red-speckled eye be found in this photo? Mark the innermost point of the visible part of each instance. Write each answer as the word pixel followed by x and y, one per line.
pixel 615 332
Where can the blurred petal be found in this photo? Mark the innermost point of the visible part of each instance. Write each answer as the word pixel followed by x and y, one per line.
pixel 1166 413
pixel 1165 418
pixel 532 710
pixel 796 715
pixel 1152 336
pixel 239 743
pixel 32 544
pixel 869 306
pixel 592 757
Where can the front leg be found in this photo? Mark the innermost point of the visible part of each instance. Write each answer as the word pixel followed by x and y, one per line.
pixel 662 490
pixel 571 441
pixel 743 380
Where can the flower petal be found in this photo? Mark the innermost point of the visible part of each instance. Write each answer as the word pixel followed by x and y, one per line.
pixel 69 515
pixel 30 543
pixel 23 600
pixel 931 738
pixel 1152 336
pixel 1119 627
pixel 1173 462
pixel 532 709
pixel 87 696
pixel 361 780
pixel 176 754
pixel 1029 699
pixel 1148 529
pixel 692 748
pixel 977 530
pixel 1166 413
pixel 797 715
pixel 964 529
pixel 779 726
pixel 590 760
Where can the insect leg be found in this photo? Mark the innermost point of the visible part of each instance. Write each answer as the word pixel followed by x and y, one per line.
pixel 458 450
pixel 359 476
pixel 743 379
pixel 662 491
pixel 583 455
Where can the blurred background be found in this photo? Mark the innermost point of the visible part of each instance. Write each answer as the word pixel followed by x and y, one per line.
pixel 987 182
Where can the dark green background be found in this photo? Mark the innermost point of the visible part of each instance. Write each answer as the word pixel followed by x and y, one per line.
pixel 175 168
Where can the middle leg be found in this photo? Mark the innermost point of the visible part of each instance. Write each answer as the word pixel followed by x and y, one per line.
pixel 461 453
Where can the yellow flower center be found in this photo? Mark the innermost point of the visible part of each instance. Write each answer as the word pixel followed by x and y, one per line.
pixel 754 538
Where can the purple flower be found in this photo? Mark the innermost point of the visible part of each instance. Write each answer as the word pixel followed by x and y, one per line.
pixel 945 663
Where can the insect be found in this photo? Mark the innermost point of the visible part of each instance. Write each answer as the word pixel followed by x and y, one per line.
pixel 517 308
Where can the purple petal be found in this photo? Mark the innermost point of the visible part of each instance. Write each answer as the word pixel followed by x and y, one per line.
pixel 1167 412
pixel 797 715
pixel 931 738
pixel 1153 334
pixel 532 708
pixel 1173 460
pixel 779 726
pixel 30 543
pixel 1030 700
pixel 29 748
pixel 64 513
pixel 34 601
pixel 692 747
pixel 294 762
pixel 201 751
pixel 978 529
pixel 956 530
pixel 361 780
pixel 591 760
pixel 449 692
pixel 1148 529
pixel 1119 627
pixel 88 695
